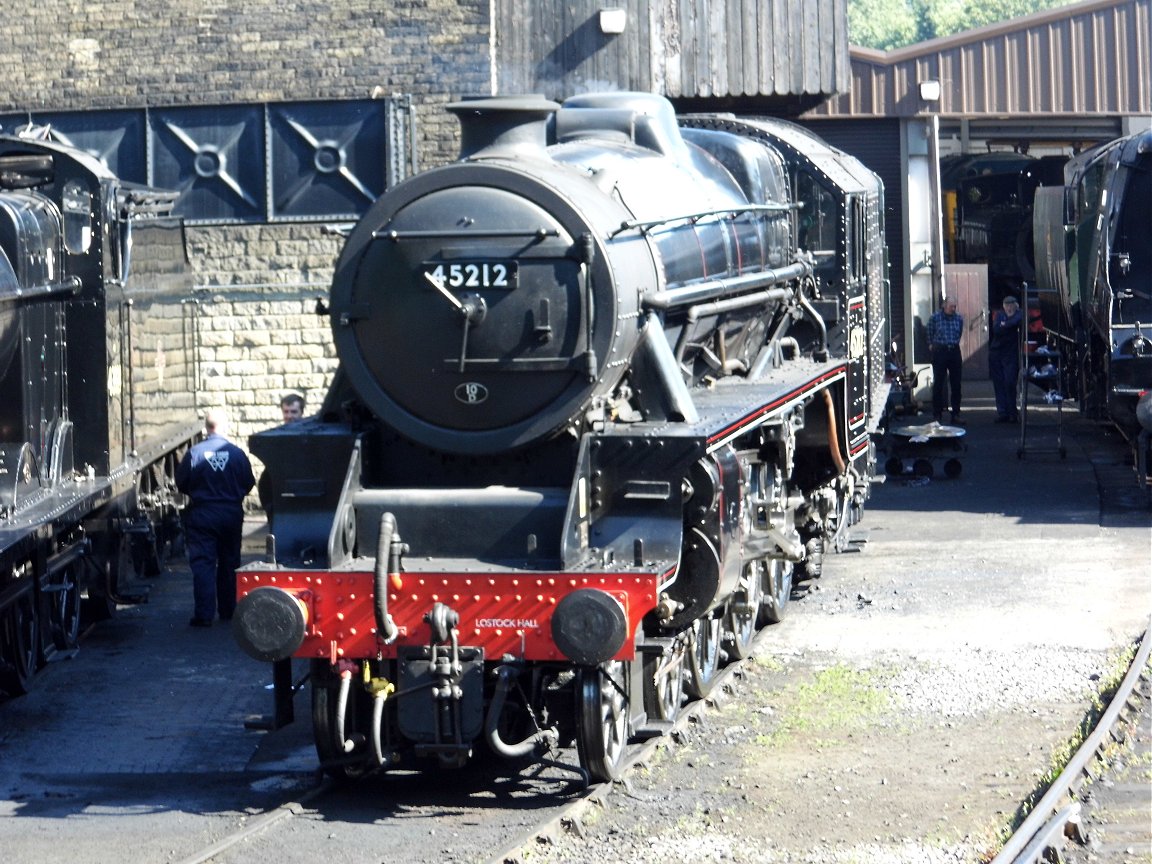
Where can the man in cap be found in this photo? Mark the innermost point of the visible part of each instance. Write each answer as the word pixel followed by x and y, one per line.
pixel 1004 358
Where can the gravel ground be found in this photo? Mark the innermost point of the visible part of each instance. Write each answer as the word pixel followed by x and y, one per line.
pixel 918 692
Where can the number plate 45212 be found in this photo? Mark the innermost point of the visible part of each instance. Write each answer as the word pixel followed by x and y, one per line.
pixel 477 274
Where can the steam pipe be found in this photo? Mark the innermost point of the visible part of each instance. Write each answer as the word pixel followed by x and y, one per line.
pixel 654 345
pixel 821 353
pixel 388 550
pixel 833 435
pixel 345 744
pixel 377 720
pixel 718 307
pixel 542 738
pixel 717 288
pixel 772 353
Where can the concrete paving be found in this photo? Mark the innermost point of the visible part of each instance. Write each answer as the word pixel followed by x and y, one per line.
pixel 135 748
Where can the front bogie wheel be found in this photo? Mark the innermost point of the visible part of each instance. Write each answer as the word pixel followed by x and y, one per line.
pixel 337 760
pixel 744 610
pixel 664 685
pixel 602 708
pixel 705 657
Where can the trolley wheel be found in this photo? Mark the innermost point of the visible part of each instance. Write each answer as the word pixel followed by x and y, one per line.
pixel 1019 452
pixel 894 466
pixel 952 468
pixel 923 468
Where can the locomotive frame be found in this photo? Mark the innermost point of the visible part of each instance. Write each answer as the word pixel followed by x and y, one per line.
pixel 1094 275
pixel 544 511
pixel 99 384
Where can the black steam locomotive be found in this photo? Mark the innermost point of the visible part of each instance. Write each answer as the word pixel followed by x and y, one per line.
pixel 97 393
pixel 1094 280
pixel 606 384
pixel 993 195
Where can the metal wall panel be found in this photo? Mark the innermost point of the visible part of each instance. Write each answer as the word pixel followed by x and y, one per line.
pixel 324 159
pixel 249 163
pixel 1089 59
pixel 214 156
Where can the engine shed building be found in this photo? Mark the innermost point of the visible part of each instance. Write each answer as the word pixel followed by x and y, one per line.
pixel 1055 82
pixel 275 120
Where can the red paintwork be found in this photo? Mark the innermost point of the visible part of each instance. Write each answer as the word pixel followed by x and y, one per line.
pixel 503 613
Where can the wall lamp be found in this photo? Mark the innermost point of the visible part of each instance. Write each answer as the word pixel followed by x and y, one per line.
pixel 613 21
pixel 930 90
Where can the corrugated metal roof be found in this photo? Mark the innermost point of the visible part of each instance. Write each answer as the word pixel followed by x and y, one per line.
pixel 1088 59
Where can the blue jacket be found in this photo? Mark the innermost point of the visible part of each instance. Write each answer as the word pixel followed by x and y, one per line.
pixel 1005 331
pixel 215 473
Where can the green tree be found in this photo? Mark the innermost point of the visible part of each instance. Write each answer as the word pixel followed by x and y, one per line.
pixel 882 24
pixel 888 24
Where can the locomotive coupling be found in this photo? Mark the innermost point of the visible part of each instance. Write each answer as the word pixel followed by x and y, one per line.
pixel 270 623
pixel 589 626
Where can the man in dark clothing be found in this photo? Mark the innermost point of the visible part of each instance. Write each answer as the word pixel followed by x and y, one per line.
pixel 292 407
pixel 1004 358
pixel 216 475
pixel 945 328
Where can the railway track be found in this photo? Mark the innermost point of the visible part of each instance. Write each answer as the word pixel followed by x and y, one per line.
pixel 1084 816
pixel 135 749
pixel 263 835
pixel 1072 810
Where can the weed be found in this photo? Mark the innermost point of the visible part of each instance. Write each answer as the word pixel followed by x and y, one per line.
pixel 838 699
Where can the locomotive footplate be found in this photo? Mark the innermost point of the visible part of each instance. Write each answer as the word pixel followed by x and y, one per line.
pixel 730 408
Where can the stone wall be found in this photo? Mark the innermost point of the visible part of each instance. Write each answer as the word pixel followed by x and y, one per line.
pixel 77 55
pixel 258 283
pixel 260 334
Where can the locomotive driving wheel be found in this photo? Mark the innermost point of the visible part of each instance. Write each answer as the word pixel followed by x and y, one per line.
pixel 744 610
pixel 704 658
pixel 19 645
pixel 777 575
pixel 602 703
pixel 65 615
pixel 664 691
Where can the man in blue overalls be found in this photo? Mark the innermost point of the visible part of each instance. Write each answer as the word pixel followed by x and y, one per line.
pixel 216 475
pixel 1004 358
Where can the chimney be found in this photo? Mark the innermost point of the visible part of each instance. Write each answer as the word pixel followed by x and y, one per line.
pixel 503 126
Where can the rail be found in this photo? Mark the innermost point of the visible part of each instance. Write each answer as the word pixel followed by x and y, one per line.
pixel 1042 830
